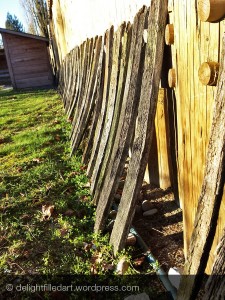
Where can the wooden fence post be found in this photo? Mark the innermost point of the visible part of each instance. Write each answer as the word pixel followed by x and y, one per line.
pixel 210 198
pixel 145 122
pixel 126 124
pixel 126 40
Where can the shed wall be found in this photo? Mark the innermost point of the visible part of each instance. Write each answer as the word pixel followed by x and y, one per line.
pixel 28 61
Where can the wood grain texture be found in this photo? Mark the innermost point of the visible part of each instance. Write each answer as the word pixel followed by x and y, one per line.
pixel 210 198
pixel 26 57
pixel 126 124
pixel 74 76
pixel 88 103
pixel 82 91
pixel 78 83
pixel 110 105
pixel 98 97
pixel 145 122
pixel 126 41
pixel 100 123
pixel 215 286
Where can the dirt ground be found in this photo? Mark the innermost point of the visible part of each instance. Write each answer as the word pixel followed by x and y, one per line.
pixel 163 231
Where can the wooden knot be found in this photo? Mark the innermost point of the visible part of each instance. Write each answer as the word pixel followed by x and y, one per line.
pixel 172 78
pixel 211 10
pixel 208 73
pixel 169 34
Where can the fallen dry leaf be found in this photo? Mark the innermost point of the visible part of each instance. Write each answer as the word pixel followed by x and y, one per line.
pixel 37 160
pixel 122 266
pixel 139 261
pixel 69 213
pixel 63 232
pixel 47 211
pixel 87 246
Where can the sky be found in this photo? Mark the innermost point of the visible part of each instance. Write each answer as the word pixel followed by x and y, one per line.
pixel 14 8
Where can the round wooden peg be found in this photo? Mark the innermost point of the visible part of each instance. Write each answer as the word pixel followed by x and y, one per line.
pixel 169 34
pixel 208 73
pixel 172 78
pixel 211 10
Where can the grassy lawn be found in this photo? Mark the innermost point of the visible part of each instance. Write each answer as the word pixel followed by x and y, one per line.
pixel 46 215
pixel 46 211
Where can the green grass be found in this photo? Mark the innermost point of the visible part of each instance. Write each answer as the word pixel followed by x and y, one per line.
pixel 35 170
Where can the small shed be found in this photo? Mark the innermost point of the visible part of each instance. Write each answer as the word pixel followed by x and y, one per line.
pixel 27 58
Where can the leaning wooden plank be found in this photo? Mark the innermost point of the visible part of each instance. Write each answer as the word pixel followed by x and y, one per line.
pixel 70 79
pixel 126 41
pixel 110 104
pixel 126 124
pixel 145 122
pixel 215 286
pixel 83 60
pixel 83 81
pixel 88 102
pixel 74 79
pixel 66 80
pixel 78 81
pixel 89 51
pixel 98 96
pixel 90 63
pixel 210 198
pixel 88 71
pixel 99 127
pixel 66 73
pixel 61 78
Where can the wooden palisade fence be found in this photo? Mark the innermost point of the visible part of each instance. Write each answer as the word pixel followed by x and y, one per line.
pixel 110 86
pixel 111 101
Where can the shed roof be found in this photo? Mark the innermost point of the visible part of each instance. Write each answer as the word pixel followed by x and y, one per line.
pixel 26 35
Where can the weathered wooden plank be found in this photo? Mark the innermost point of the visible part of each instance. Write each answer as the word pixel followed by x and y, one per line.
pixel 98 97
pixel 126 41
pixel 145 122
pixel 215 286
pixel 210 198
pixel 66 75
pixel 32 58
pixel 46 76
pixel 61 78
pixel 69 78
pixel 79 81
pixel 98 131
pixel 73 80
pixel 17 41
pixel 34 83
pixel 8 57
pixel 90 54
pixel 126 124
pixel 84 117
pixel 86 48
pixel 110 104
pixel 82 102
pixel 69 58
pixel 90 64
pixel 28 51
pixel 31 69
